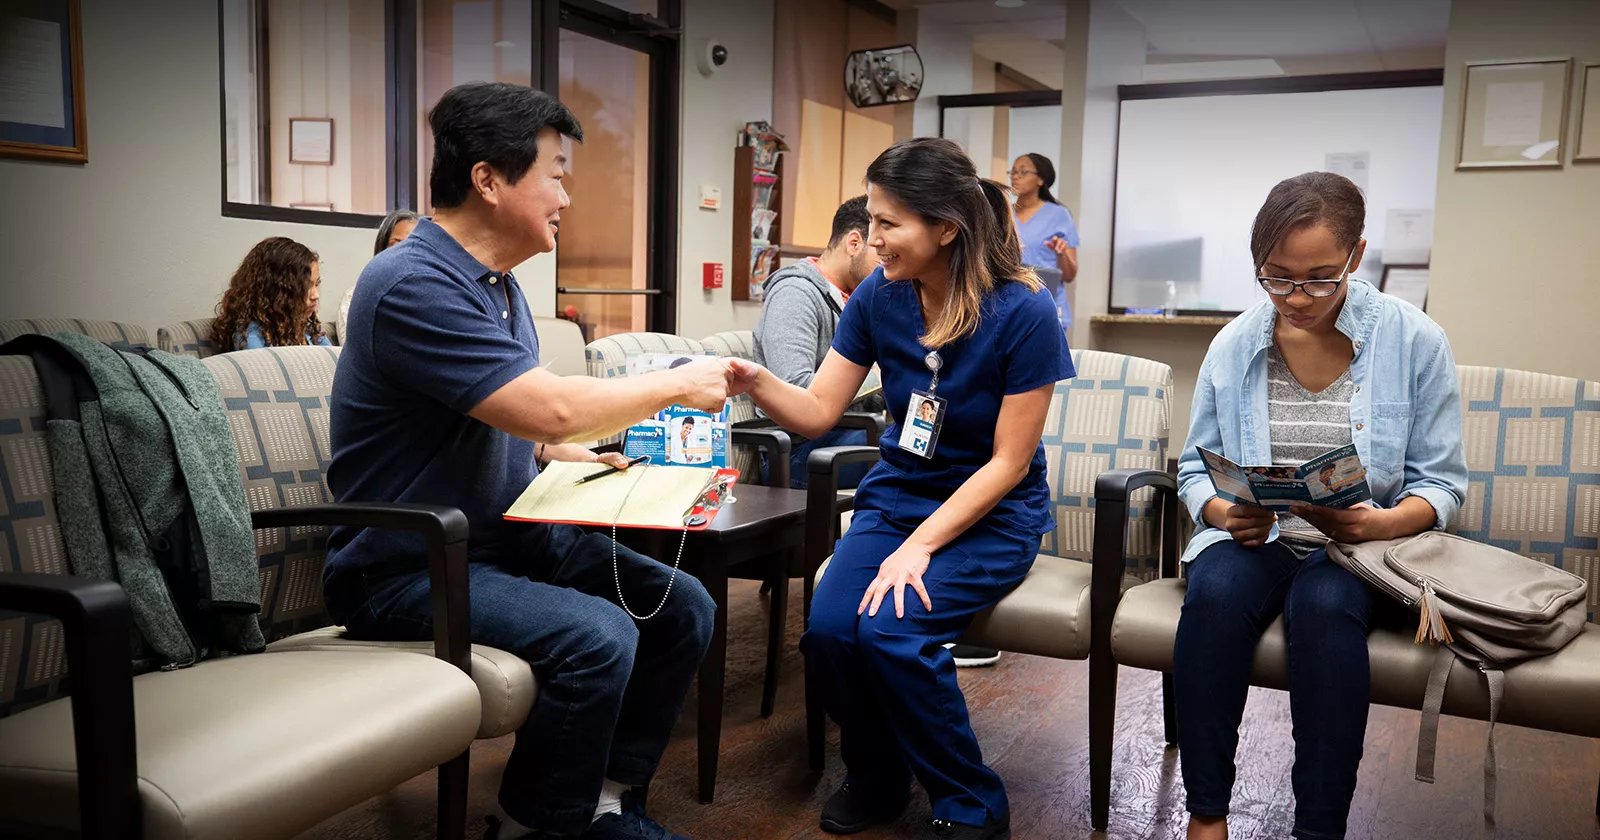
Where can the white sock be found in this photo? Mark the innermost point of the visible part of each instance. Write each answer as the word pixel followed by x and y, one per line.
pixel 610 798
pixel 510 829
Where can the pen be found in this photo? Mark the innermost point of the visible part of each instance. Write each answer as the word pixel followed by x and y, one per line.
pixel 609 470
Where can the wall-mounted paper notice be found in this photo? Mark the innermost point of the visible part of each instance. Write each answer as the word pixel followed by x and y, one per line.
pixel 1513 113
pixel 1407 237
pixel 30 73
pixel 1352 165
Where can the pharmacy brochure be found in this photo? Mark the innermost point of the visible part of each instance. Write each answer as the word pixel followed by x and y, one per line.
pixel 1334 479
pixel 677 435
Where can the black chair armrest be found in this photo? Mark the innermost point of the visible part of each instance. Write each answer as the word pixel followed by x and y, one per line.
pixel 97 619
pixel 822 499
pixel 774 442
pixel 873 423
pixel 1112 491
pixel 445 531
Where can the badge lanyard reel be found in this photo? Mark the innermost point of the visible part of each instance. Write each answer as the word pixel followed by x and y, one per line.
pixel 919 434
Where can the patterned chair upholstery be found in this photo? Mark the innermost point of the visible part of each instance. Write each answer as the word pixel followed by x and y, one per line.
pixel 1533 468
pixel 734 344
pixel 193 338
pixel 117 334
pixel 1533 458
pixel 1110 422
pixel 188 338
pixel 292 731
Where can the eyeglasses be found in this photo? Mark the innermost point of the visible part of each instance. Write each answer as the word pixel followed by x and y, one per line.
pixel 1013 173
pixel 1315 288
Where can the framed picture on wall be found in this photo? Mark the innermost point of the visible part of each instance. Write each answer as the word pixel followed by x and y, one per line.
pixel 1408 282
pixel 311 141
pixel 1586 147
pixel 42 114
pixel 325 208
pixel 1513 113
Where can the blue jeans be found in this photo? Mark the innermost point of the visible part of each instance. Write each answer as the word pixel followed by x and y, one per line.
pixel 610 688
pixel 1234 593
pixel 889 682
pixel 849 477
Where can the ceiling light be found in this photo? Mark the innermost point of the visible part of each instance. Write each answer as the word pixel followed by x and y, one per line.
pixel 1009 4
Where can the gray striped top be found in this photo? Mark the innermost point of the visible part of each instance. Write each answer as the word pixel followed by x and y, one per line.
pixel 1304 425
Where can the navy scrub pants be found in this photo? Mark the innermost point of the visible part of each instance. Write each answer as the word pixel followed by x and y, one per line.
pixel 889 682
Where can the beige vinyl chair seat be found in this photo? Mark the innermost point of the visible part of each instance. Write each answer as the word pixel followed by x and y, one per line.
pixel 506 684
pixel 1559 692
pixel 1046 615
pixel 239 748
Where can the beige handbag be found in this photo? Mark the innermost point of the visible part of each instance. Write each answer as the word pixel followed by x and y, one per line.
pixel 1479 603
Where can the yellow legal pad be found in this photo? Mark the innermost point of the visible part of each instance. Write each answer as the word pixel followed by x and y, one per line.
pixel 644 496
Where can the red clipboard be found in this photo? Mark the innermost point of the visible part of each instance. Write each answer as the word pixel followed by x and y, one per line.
pixel 707 506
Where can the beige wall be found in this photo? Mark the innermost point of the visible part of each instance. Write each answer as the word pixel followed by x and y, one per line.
pixel 715 109
pixel 1513 280
pixel 137 234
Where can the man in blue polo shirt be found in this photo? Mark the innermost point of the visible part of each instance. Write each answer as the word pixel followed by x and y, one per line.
pixel 439 398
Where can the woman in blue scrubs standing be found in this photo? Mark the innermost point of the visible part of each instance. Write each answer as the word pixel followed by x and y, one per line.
pixel 949 520
pixel 1049 236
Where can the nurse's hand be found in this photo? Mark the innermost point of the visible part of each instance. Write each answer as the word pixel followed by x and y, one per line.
pixel 901 569
pixel 742 375
pixel 1057 244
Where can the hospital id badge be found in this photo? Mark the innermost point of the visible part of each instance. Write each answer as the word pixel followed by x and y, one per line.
pixel 924 418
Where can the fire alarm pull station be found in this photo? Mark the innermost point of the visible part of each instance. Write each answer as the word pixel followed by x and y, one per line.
pixel 713 275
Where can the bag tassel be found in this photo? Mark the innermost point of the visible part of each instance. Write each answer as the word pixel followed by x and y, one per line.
pixel 1430 621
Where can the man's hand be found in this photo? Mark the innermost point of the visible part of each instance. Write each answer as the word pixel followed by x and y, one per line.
pixel 901 569
pixel 612 459
pixel 1249 525
pixel 1361 523
pixel 703 385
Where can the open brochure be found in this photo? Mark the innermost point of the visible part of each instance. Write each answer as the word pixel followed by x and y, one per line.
pixel 639 497
pixel 1334 479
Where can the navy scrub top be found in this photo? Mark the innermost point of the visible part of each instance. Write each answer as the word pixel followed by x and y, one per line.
pixel 1018 346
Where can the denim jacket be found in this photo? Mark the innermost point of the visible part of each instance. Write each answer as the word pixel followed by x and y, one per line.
pixel 1405 414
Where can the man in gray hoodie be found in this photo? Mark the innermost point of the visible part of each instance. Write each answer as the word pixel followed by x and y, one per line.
pixel 800 310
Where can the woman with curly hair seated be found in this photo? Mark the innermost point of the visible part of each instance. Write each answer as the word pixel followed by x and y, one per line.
pixel 272 299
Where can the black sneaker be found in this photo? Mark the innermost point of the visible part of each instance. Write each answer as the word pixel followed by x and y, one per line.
pixel 972 656
pixel 937 829
pixel 856 807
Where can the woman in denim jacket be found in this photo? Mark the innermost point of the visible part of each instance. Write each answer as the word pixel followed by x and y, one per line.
pixel 1325 361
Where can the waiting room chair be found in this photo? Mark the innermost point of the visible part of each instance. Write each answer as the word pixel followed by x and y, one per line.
pixel 115 333
pixel 561 347
pixel 193 338
pixel 1534 488
pixel 253 746
pixel 1105 443
pixel 188 338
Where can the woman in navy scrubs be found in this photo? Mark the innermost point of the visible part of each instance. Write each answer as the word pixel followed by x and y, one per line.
pixel 949 520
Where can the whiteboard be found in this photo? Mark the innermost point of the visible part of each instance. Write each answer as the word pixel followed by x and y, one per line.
pixel 1193 171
